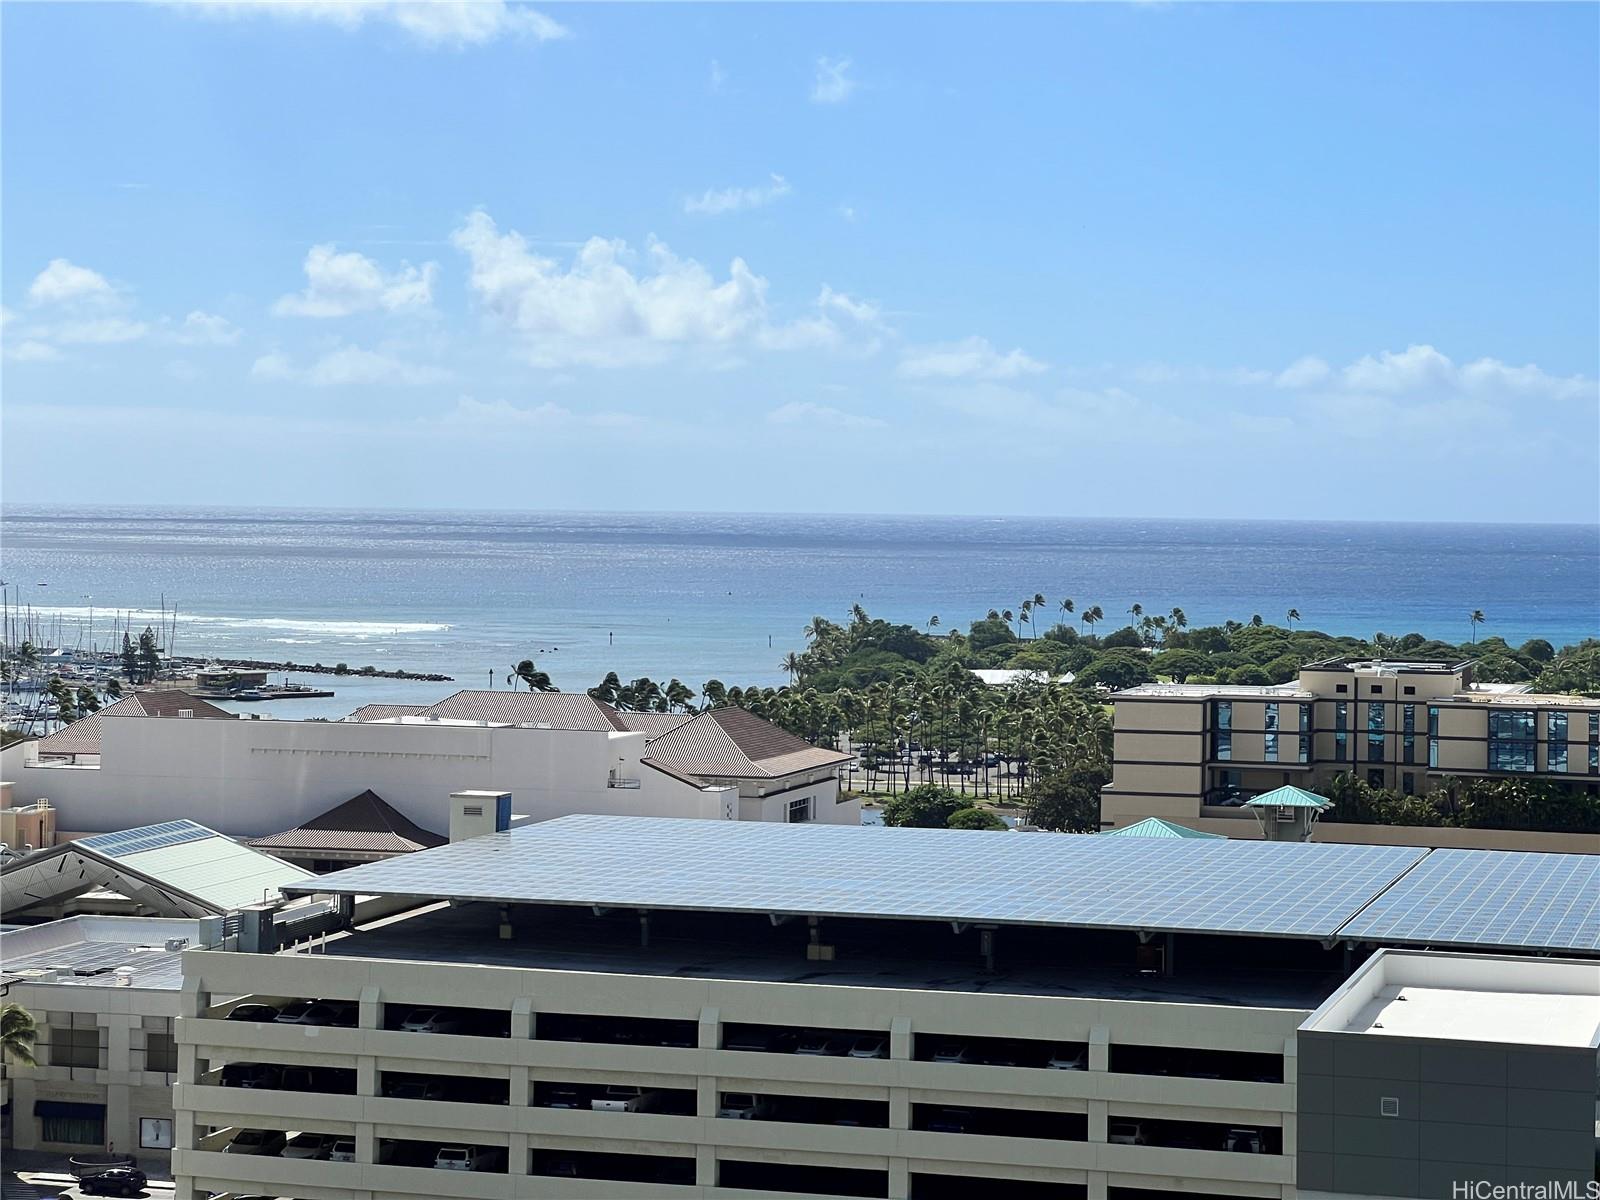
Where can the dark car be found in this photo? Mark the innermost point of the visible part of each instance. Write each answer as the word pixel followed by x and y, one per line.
pixel 330 1012
pixel 291 1012
pixel 114 1181
pixel 252 1012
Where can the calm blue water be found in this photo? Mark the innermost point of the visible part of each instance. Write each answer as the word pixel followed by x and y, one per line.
pixel 706 595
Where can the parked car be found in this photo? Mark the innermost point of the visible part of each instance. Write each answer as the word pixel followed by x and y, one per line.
pixel 563 1097
pixel 774 1041
pixel 430 1020
pixel 1243 1141
pixel 1126 1133
pixel 565 1168
pixel 413 1089
pixel 251 1075
pixel 252 1012
pixel 291 1012
pixel 823 1044
pixel 343 1150
pixel 622 1099
pixel 114 1181
pixel 951 1052
pixel 298 1079
pixel 950 1120
pixel 464 1158
pixel 266 1142
pixel 871 1046
pixel 743 1106
pixel 311 1145
pixel 331 1012
pixel 1069 1060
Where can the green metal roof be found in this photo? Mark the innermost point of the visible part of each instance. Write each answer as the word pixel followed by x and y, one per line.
pixel 1155 827
pixel 1289 796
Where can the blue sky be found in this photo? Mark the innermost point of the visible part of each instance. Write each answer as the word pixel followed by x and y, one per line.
pixel 1259 260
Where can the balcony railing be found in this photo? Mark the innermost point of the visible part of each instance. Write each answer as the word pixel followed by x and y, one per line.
pixel 620 781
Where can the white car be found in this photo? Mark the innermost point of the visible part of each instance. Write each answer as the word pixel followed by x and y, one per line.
pixel 622 1099
pixel 871 1046
pixel 430 1020
pixel 344 1150
pixel 1068 1060
pixel 742 1106
pixel 463 1158
pixel 1126 1133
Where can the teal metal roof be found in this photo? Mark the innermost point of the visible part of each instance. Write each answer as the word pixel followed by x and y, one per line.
pixel 1289 796
pixel 1155 827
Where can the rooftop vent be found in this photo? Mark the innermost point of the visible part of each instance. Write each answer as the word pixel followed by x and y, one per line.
pixel 186 712
pixel 177 943
pixel 124 976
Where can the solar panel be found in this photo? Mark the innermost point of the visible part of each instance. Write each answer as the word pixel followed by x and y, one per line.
pixel 1490 898
pixel 146 837
pixel 1298 890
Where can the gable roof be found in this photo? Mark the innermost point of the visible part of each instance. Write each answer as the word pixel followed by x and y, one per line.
pixel 364 824
pixel 559 710
pixel 1155 827
pixel 83 736
pixel 731 743
pixel 385 712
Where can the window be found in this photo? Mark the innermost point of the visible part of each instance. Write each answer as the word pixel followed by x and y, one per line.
pixel 71 1123
pixel 161 1053
pixel 74 1048
pixel 1375 733
pixel 1555 725
pixel 1408 718
pixel 1341 688
pixel 1511 740
pixel 1305 718
pixel 1305 747
pixel 1408 784
pixel 1594 759
pixel 1594 727
pixel 1341 747
pixel 800 810
pixel 1408 740
pixel 1410 691
pixel 1375 777
pixel 1341 723
pixel 1433 736
pixel 1222 736
pixel 1375 690
pixel 1269 743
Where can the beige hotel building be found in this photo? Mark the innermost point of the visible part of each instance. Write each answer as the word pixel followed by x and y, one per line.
pixel 1194 753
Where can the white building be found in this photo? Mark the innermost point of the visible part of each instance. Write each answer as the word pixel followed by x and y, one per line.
pixel 103 992
pixel 615 1007
pixel 556 753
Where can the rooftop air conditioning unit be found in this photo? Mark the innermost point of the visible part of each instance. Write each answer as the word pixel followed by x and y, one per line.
pixel 124 976
pixel 177 943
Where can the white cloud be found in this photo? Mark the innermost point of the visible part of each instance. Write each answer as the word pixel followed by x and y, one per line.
pixel 1303 372
pixel 338 285
pixel 832 84
pixel 64 282
pixel 803 412
pixel 1413 368
pixel 472 413
pixel 716 201
pixel 452 23
pixel 206 329
pixel 607 309
pixel 973 358
pixel 31 350
pixel 94 331
pixel 348 366
pixel 718 78
pixel 847 212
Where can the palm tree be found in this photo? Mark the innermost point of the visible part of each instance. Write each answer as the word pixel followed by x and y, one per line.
pixel 678 695
pixel 1007 617
pixel 526 672
pixel 1038 603
pixel 17 1034
pixel 1024 616
pixel 714 692
pixel 1179 621
pixel 791 664
pixel 1292 616
pixel 816 627
pixel 1135 611
pixel 1477 618
pixel 1092 616
pixel 607 689
pixel 933 621
pixel 1066 609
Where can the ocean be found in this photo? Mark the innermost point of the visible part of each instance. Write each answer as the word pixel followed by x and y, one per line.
pixel 701 596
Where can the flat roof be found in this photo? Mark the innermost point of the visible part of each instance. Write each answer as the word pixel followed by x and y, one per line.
pixel 1272 889
pixel 1467 997
pixel 86 952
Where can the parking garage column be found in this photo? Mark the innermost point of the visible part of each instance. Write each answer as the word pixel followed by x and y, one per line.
pixel 899 1179
pixel 366 1075
pixel 1099 1047
pixel 705 1167
pixel 1097 1184
pixel 366 1142
pixel 1099 1120
pixel 899 1108
pixel 522 1018
pixel 517 1154
pixel 371 1003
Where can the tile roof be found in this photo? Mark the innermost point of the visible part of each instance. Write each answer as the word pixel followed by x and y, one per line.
pixel 83 736
pixel 559 710
pixel 652 723
pixel 734 744
pixel 385 712
pixel 364 824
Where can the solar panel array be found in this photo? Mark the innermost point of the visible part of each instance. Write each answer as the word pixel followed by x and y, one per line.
pixel 146 837
pixel 1239 887
pixel 1489 898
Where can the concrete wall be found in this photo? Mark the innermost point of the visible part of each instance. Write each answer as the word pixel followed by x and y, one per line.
pixel 207 1041
pixel 124 1019
pixel 1465 1111
pixel 250 778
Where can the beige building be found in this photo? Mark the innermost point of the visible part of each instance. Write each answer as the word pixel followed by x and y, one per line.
pixel 607 1007
pixel 104 994
pixel 1195 752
